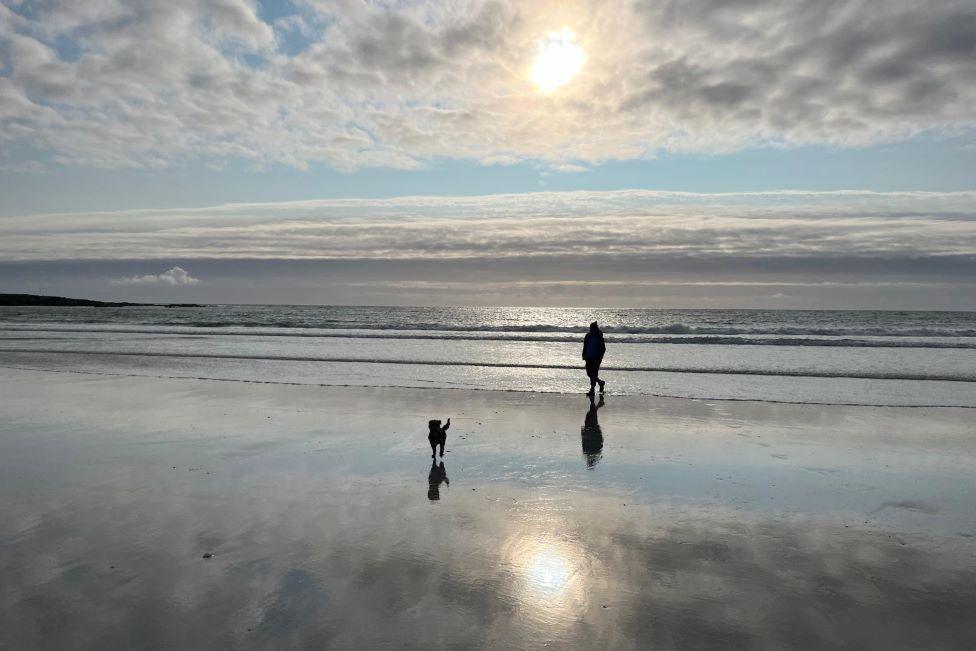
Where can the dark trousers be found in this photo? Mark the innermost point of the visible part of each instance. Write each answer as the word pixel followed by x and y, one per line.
pixel 593 370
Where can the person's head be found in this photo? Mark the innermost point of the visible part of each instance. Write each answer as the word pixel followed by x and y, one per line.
pixel 594 327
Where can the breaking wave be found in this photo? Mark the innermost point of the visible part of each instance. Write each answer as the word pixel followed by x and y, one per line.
pixel 727 337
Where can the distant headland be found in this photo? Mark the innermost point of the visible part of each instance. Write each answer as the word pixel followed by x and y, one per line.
pixel 22 300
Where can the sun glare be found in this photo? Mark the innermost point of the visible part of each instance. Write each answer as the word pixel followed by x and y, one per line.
pixel 548 572
pixel 559 58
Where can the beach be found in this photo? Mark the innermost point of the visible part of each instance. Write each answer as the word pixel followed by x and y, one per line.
pixel 577 325
pixel 679 523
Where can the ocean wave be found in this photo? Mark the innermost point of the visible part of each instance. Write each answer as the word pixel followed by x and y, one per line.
pixel 880 375
pixel 669 329
pixel 677 328
pixel 538 336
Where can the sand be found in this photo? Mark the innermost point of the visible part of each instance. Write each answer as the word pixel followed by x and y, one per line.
pixel 678 523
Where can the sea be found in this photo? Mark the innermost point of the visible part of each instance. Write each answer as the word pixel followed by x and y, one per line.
pixel 872 358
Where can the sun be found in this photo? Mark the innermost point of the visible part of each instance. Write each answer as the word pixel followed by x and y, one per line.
pixel 559 58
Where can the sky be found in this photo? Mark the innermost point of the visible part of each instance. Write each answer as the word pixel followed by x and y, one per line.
pixel 675 153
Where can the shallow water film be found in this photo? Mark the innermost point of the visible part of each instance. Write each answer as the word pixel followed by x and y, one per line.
pixel 141 513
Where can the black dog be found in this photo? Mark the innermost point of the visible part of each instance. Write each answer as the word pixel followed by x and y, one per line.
pixel 437 436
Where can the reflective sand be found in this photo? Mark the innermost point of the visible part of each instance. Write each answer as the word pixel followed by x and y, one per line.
pixel 652 523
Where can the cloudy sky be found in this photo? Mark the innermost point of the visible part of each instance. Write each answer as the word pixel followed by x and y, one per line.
pixel 764 153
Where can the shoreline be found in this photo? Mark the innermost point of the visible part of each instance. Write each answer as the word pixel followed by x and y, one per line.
pixel 499 390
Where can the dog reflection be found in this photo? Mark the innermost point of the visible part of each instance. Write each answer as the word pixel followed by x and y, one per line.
pixel 438 475
pixel 592 435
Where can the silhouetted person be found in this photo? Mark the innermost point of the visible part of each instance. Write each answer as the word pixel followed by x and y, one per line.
pixel 593 350
pixel 437 436
pixel 437 475
pixel 591 434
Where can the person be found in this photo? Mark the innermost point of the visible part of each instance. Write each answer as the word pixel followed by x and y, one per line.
pixel 591 434
pixel 594 349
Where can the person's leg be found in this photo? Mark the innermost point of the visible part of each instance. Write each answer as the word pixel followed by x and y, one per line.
pixel 597 375
pixel 593 371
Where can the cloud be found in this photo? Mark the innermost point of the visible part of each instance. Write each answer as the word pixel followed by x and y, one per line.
pixel 912 250
pixel 158 83
pixel 174 276
pixel 570 168
pixel 617 226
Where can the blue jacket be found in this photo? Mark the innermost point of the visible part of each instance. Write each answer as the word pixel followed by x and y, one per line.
pixel 593 346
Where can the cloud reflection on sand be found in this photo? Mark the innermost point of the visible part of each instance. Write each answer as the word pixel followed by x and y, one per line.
pixel 329 538
pixel 383 568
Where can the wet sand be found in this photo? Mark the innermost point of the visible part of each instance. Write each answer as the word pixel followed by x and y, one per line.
pixel 653 523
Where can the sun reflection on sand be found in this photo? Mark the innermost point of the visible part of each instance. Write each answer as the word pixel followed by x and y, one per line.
pixel 548 572
pixel 550 580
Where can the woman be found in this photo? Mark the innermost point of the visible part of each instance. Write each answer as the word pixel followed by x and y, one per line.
pixel 593 350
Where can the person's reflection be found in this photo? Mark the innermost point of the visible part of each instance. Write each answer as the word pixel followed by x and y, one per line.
pixel 592 435
pixel 437 475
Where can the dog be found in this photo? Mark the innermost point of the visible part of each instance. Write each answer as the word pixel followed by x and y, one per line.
pixel 437 436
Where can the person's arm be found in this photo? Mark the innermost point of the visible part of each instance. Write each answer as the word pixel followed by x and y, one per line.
pixel 585 339
pixel 603 347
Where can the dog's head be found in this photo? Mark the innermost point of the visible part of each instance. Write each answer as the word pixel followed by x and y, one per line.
pixel 434 425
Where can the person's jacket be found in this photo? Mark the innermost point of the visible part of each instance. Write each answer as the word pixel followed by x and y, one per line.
pixel 593 346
